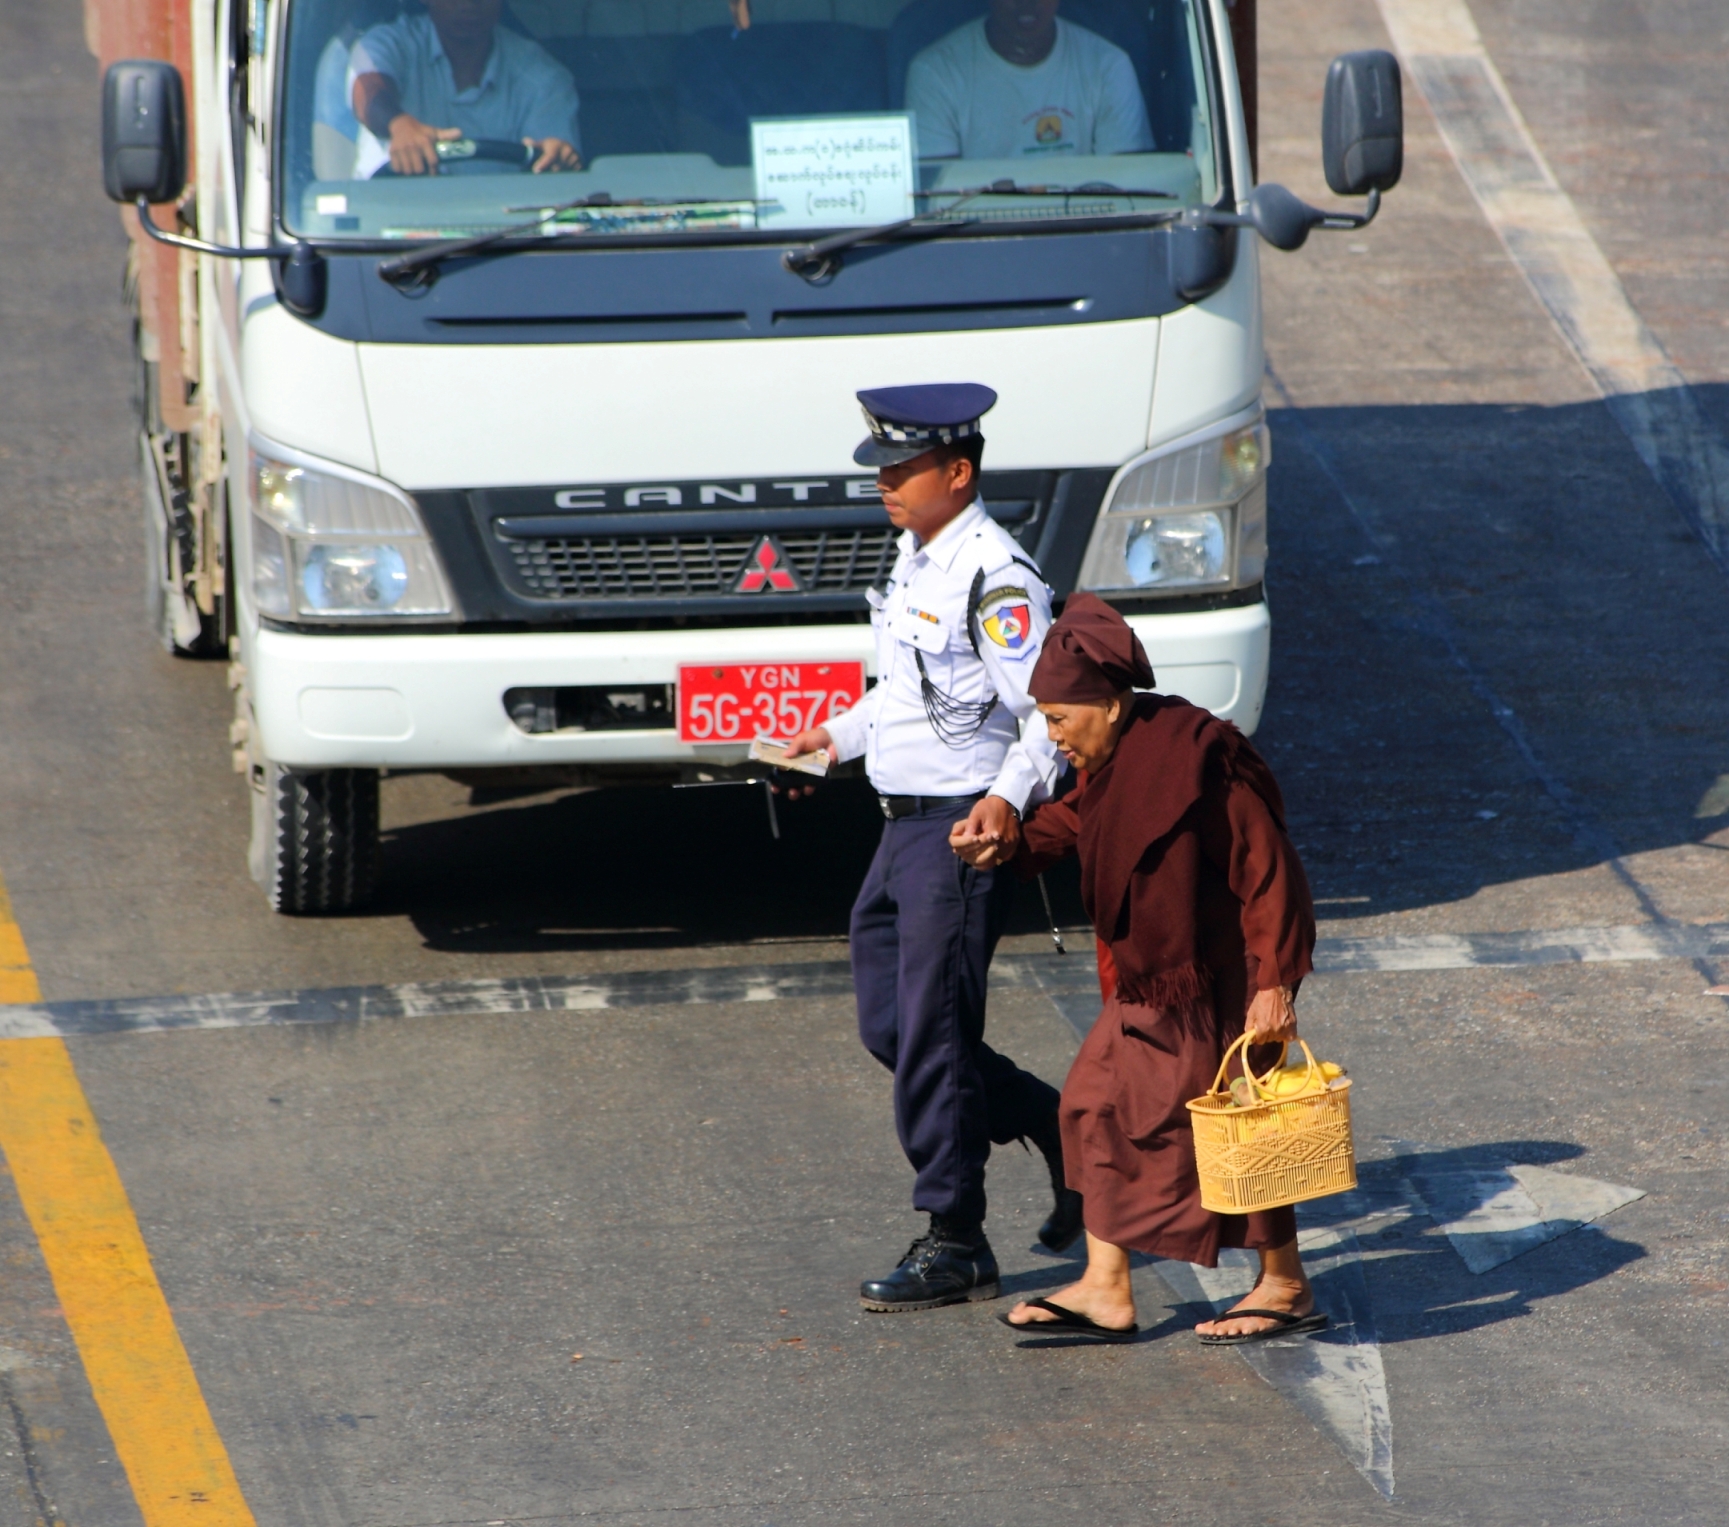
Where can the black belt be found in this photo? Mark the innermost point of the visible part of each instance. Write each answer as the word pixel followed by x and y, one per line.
pixel 898 806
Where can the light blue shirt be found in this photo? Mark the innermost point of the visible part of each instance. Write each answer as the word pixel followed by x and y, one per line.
pixel 524 92
pixel 333 90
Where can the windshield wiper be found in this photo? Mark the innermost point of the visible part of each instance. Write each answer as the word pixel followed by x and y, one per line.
pixel 1086 188
pixel 818 262
pixel 417 270
pixel 604 199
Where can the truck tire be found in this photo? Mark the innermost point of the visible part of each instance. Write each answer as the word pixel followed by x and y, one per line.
pixel 315 838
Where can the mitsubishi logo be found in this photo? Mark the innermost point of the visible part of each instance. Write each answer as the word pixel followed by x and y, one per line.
pixel 767 568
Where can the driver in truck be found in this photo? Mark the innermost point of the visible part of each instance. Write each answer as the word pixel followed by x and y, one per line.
pixel 1019 82
pixel 452 73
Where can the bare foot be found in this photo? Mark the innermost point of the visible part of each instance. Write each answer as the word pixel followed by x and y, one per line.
pixel 1286 1295
pixel 1112 1308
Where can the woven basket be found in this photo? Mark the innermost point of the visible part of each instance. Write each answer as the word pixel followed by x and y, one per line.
pixel 1275 1152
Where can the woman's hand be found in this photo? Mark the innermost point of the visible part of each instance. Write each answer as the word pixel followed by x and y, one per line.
pixel 989 836
pixel 1272 1016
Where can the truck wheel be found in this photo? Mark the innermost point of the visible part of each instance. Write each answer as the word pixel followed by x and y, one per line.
pixel 314 838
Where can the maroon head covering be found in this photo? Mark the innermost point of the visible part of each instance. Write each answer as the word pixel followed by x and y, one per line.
pixel 1090 656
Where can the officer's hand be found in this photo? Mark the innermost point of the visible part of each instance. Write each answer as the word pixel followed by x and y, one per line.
pixel 414 145
pixel 990 836
pixel 554 154
pixel 810 741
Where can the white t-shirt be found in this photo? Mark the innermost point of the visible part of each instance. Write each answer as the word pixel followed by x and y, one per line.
pixel 973 103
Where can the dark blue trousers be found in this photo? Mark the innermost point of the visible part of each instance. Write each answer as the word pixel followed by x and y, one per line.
pixel 923 931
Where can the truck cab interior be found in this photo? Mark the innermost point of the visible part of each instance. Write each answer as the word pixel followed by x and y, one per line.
pixel 662 78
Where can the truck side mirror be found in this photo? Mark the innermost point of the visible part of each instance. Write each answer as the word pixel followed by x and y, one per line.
pixel 1363 124
pixel 143 131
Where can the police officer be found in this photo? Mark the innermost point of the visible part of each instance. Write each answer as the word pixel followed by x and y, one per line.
pixel 958 629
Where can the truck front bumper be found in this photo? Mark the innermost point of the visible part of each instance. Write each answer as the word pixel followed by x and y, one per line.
pixel 436 701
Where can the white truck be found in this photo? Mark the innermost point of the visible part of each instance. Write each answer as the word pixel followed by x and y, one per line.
pixel 491 470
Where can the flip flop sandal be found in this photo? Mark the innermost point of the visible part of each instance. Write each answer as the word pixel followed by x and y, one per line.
pixel 1068 1323
pixel 1288 1325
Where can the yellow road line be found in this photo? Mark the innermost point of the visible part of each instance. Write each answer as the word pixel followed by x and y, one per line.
pixel 17 979
pixel 137 1367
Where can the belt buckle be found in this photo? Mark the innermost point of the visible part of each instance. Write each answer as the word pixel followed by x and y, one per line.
pixel 887 808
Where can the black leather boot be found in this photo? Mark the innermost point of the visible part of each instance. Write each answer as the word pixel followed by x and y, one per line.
pixel 952 1264
pixel 1064 1226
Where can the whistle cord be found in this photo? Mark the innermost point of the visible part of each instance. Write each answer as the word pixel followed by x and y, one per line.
pixel 956 722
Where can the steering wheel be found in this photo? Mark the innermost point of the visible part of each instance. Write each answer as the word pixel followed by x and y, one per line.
pixel 519 155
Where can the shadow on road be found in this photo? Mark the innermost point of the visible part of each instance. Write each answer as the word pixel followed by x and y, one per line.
pixel 649 868
pixel 1488 556
pixel 1421 1287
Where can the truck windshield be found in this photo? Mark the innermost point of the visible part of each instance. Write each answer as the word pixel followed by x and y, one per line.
pixel 432 119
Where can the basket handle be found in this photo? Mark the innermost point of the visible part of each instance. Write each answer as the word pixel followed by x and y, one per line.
pixel 1258 1084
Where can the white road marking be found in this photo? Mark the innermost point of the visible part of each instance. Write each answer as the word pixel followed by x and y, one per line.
pixel 1071 983
pixel 1564 946
pixel 1493 1214
pixel 1565 268
pixel 1489 1214
pixel 1336 1378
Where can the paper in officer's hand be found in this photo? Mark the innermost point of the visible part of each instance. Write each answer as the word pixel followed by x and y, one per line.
pixel 767 750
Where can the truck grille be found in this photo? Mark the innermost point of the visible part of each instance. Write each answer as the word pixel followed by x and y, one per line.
pixel 671 566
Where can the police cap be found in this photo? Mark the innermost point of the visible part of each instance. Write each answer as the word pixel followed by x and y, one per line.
pixel 908 421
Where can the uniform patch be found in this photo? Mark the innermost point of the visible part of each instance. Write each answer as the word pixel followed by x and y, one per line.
pixel 1008 625
pixel 1005 617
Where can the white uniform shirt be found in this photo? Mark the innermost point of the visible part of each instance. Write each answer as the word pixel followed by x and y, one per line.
pixel 971 102
pixel 929 601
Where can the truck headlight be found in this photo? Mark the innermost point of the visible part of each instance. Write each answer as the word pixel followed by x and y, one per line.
pixel 334 546
pixel 1189 518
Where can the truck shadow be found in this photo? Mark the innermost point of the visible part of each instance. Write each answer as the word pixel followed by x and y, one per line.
pixel 1451 585
pixel 649 868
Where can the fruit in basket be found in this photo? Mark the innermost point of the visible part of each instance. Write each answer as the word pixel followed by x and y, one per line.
pixel 1291 1080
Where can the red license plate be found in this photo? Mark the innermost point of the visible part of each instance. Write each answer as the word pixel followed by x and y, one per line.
pixel 740 701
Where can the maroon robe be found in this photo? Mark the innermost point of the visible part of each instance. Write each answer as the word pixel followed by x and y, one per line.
pixel 1197 899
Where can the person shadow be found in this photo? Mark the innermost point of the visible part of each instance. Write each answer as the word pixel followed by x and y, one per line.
pixel 1381 1264
pixel 1417 1277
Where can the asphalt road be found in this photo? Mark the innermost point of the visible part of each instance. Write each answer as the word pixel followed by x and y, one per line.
pixel 1498 706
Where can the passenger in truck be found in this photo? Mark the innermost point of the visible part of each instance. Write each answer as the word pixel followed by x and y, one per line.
pixel 1019 82
pixel 334 129
pixel 452 72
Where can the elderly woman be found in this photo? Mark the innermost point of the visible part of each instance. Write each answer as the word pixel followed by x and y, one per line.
pixel 1205 927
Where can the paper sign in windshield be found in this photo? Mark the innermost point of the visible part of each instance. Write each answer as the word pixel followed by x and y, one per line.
pixel 833 172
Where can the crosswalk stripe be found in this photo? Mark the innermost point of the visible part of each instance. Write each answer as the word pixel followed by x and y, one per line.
pixel 1072 981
